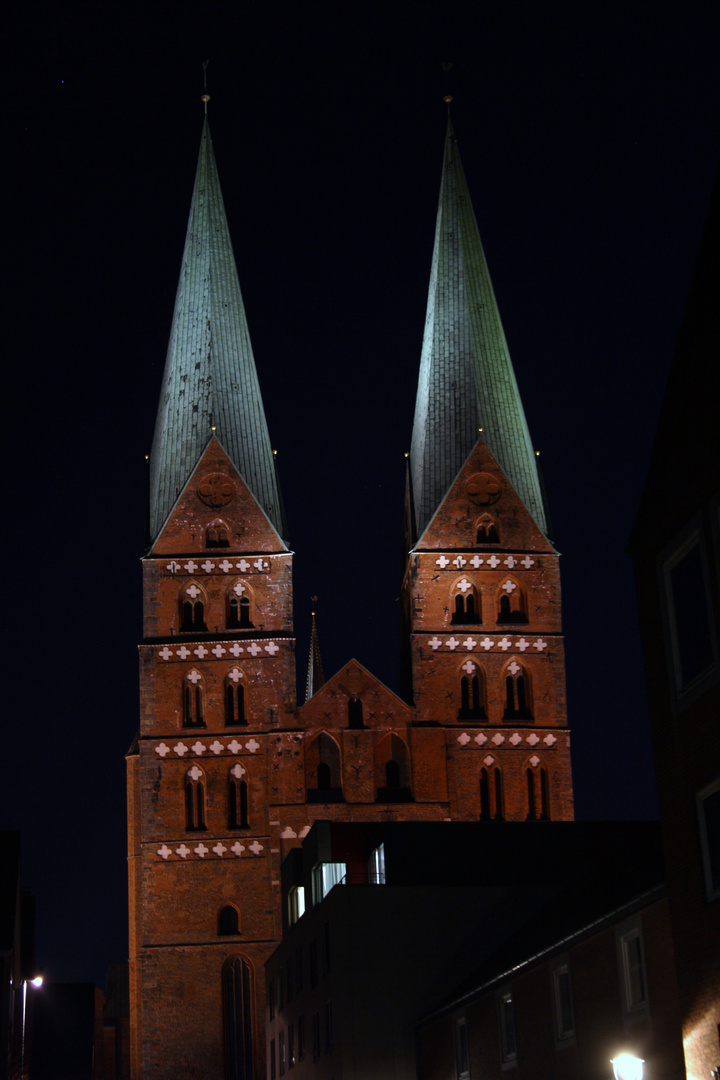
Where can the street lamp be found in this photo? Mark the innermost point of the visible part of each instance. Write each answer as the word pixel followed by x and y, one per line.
pixel 37 981
pixel 627 1067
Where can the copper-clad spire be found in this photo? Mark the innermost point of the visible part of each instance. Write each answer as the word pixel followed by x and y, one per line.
pixel 315 677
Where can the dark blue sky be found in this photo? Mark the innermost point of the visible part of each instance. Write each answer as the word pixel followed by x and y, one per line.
pixel 590 135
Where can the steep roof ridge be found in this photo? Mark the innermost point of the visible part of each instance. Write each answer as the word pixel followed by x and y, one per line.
pixel 210 380
pixel 315 677
pixel 466 378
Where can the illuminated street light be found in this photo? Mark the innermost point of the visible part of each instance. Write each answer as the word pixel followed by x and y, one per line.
pixel 37 981
pixel 627 1067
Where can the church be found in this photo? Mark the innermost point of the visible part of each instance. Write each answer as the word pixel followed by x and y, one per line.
pixel 229 770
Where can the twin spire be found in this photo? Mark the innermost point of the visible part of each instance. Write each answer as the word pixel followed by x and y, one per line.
pixel 466 379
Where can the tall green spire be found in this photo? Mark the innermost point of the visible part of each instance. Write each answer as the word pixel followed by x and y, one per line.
pixel 210 383
pixel 466 379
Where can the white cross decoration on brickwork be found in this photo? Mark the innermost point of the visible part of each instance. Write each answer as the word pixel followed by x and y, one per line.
pixel 180 749
pixel 183 653
pixel 182 851
pixel 239 588
pixel 191 567
pixel 235 675
pixel 198 748
pixel 515 739
pixel 200 652
pixel 459 561
pixel 260 565
pixel 486 644
pixel 208 566
pixel 164 852
pixel 234 747
pixel 510 562
pixel 504 644
pixel 194 773
pixel 464 585
pixel 217 747
pixel 540 645
pixel 463 739
pixel 533 739
pixel 165 653
pixel 435 643
pixel 219 849
pixel 493 561
pixel 193 676
pixel 469 643
pixel 162 750
pixel 237 849
pixel 476 561
pixel 243 566
pixel 452 643
pixel 489 760
pixel 469 666
pixel 254 649
pixel 219 651
pixel 481 739
pixel 173 567
pixel 498 739
pixel 256 847
pixel 192 591
pixel 225 566
pixel 514 667
pixel 522 644
pixel 288 834
pixel 236 649
pixel 252 746
pixel 272 648
pixel 201 851
pixel 237 771
pixel 442 562
pixel 527 562
pixel 509 586
pixel 549 740
pixel 534 761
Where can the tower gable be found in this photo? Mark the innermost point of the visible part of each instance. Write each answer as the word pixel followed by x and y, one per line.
pixel 215 513
pixel 481 507
pixel 354 696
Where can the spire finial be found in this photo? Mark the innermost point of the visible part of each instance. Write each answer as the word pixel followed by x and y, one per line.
pixel 205 97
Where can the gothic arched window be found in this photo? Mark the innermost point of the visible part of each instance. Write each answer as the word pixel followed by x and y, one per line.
pixel 217 535
pixel 355 712
pixel 472 693
pixel 228 920
pixel 238 1016
pixel 323 771
pixel 238 799
pixel 492 799
pixel 465 603
pixel 192 609
pixel 193 700
pixel 234 699
pixel 194 799
pixel 392 770
pixel 511 603
pixel 239 607
pixel 538 791
pixel 517 692
pixel 486 530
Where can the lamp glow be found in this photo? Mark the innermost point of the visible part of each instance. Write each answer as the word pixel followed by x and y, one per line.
pixel 627 1067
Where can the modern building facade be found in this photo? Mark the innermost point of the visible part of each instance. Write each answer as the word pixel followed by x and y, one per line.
pixel 228 773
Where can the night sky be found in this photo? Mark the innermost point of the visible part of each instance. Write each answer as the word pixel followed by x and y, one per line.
pixel 590 135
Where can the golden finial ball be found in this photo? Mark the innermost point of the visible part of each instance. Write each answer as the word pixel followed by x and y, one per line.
pixel 205 98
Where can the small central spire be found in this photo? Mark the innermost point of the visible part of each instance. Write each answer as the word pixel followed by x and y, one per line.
pixel 205 97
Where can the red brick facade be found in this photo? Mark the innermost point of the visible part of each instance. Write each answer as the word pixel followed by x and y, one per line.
pixel 228 774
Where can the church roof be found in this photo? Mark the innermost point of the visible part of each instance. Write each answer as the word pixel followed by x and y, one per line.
pixel 466 379
pixel 210 382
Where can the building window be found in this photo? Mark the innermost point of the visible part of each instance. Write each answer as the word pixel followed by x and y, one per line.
pixel 512 607
pixel 193 701
pixel 194 800
pixel 633 970
pixel 300 1038
pixel 517 693
pixel 487 531
pixel 708 806
pixel 237 800
pixel 272 1060
pixel 376 866
pixel 462 1057
pixel 271 998
pixel 472 694
pixel 296 908
pixel 392 770
pixel 538 788
pixel 328 1027
pixel 229 920
pixel 326 876
pixel 508 1042
pixel 465 603
pixel 563 1004
pixel 239 605
pixel 217 535
pixel 238 1008
pixel 689 621
pixel 316 1036
pixel 323 771
pixel 291 1045
pixel 492 802
pixel 281 1052
pixel 234 699
pixel 192 609
pixel 355 713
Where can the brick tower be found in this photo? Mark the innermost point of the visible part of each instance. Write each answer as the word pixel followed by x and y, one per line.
pixel 227 773
pixel 481 591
